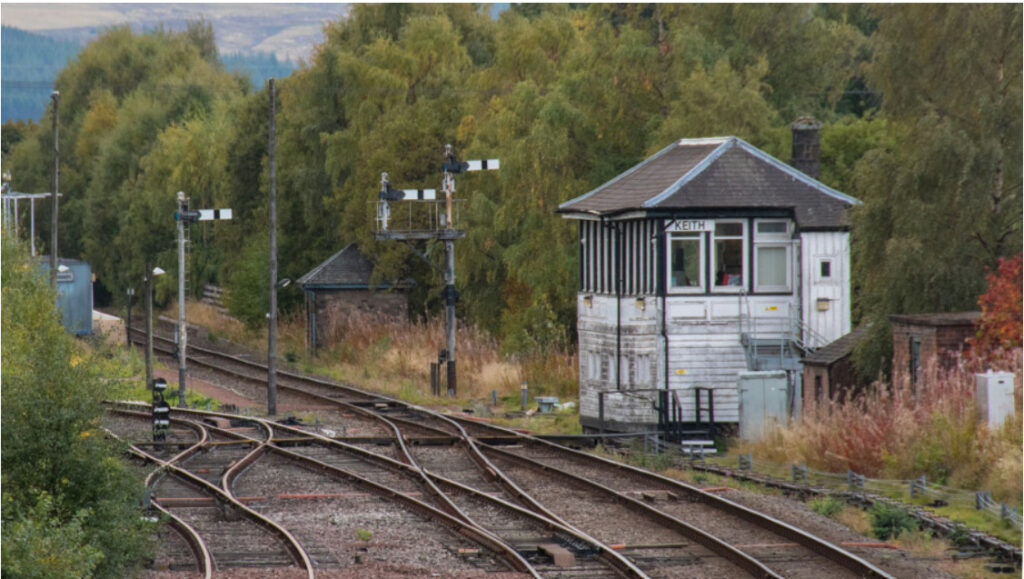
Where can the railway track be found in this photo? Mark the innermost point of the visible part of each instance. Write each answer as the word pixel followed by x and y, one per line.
pixel 541 508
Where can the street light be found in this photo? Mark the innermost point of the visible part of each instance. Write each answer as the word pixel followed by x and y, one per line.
pixel 151 272
pixel 128 326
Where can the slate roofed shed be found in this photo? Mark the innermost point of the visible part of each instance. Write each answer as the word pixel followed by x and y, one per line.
pixel 347 269
pixel 340 287
pixel 715 174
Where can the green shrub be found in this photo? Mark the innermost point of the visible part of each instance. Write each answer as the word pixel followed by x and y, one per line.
pixel 889 521
pixel 828 505
pixel 70 507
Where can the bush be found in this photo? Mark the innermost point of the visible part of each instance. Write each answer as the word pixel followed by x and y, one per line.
pixel 889 521
pixel 828 506
pixel 68 503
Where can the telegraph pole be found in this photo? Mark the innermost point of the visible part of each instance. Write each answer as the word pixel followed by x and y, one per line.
pixel 272 329
pixel 55 98
pixel 182 330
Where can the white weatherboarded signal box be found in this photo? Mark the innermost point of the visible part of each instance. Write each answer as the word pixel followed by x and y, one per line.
pixel 994 396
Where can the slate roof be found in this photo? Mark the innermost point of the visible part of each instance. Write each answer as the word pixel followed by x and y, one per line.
pixel 943 319
pixel 715 174
pixel 837 350
pixel 347 269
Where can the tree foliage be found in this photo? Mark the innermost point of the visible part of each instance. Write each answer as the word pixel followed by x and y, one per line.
pixel 70 508
pixel 942 198
pixel 1001 304
pixel 568 96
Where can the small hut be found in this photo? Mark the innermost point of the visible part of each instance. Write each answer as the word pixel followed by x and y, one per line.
pixel 828 372
pixel 339 288
pixel 920 337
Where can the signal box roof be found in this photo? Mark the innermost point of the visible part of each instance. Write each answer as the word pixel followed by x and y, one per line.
pixel 722 173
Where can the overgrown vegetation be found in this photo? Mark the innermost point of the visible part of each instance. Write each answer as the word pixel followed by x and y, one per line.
pixel 901 431
pixel 827 505
pixel 393 356
pixel 70 507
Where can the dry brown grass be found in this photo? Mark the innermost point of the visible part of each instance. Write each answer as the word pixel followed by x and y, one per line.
pixel 902 431
pixel 856 519
pixel 393 356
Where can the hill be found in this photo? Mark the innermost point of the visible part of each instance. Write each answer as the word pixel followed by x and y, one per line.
pixel 30 63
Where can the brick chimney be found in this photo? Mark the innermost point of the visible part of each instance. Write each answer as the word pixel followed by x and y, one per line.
pixel 806 145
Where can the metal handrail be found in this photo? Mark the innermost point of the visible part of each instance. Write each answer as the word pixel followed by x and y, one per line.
pixel 795 332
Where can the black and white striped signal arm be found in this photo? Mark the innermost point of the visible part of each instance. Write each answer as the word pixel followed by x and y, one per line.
pixel 389 194
pixel 202 215
pixel 212 214
pixel 453 165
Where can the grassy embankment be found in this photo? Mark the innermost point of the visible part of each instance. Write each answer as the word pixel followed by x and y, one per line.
pixel 902 431
pixel 394 357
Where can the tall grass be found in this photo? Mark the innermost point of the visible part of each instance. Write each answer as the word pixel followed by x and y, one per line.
pixel 394 350
pixel 393 355
pixel 903 430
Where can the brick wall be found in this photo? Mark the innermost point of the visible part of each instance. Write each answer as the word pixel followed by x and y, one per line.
pixel 336 310
pixel 941 342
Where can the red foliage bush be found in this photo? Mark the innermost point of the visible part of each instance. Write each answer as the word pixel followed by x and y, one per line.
pixel 1001 307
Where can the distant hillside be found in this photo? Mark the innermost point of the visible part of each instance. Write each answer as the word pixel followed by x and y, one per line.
pixel 29 63
pixel 258 66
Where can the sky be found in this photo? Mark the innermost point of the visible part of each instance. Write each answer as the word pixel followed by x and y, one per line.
pixel 288 30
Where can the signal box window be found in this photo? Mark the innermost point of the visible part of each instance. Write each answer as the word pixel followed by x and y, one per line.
pixel 772 255
pixel 686 262
pixel 729 249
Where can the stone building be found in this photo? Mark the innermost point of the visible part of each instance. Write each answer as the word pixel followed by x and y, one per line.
pixel 828 372
pixel 339 289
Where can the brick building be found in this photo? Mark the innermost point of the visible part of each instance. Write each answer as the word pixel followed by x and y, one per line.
pixel 920 337
pixel 829 373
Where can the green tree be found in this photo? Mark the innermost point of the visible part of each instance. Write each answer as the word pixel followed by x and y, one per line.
pixel 63 486
pixel 941 203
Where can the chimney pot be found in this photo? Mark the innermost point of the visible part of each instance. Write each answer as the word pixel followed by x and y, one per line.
pixel 806 145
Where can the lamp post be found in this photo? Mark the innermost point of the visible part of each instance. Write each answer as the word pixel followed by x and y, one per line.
pixel 128 328
pixel 6 188
pixel 151 272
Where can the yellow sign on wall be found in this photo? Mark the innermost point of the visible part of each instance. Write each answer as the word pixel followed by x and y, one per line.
pixel 680 371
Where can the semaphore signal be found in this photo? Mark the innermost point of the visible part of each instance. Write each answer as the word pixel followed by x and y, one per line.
pixel 184 217
pixel 451 166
